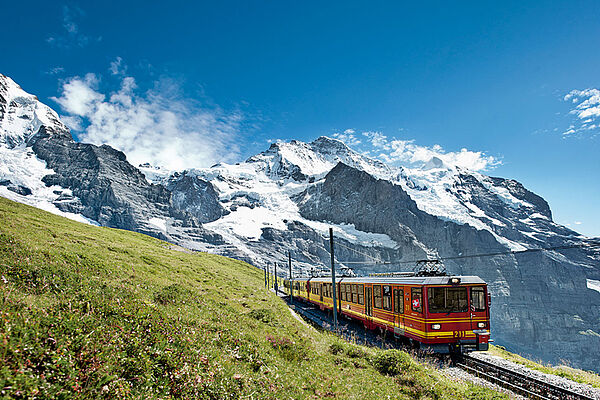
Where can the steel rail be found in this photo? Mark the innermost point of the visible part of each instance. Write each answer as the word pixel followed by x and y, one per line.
pixel 517 382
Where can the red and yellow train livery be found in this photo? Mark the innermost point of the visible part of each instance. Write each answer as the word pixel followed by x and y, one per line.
pixel 441 313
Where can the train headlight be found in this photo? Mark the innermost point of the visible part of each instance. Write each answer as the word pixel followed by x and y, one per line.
pixel 436 326
pixel 481 324
pixel 454 281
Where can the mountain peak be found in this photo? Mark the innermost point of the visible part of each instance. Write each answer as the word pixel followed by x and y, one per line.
pixel 22 114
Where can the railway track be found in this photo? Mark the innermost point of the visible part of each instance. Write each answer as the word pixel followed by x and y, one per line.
pixel 348 329
pixel 519 383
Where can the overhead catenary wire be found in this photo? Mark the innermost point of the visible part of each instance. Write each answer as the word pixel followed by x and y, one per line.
pixel 377 261
pixel 354 250
pixel 458 257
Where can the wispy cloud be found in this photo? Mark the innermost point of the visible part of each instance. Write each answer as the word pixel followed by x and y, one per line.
pixel 55 71
pixel 348 137
pixel 158 126
pixel 117 67
pixel 586 109
pixel 71 36
pixel 405 152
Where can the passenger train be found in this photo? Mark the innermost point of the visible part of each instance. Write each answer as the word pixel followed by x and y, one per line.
pixel 444 314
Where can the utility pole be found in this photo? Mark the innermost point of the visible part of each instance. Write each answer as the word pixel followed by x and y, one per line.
pixel 291 278
pixel 266 282
pixel 335 321
pixel 275 277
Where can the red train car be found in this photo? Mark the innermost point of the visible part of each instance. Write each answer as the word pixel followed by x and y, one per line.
pixel 441 313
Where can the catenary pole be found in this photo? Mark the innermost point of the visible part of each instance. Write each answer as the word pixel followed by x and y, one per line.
pixel 266 282
pixel 275 278
pixel 335 321
pixel 291 278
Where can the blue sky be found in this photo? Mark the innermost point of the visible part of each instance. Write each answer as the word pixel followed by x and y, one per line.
pixel 490 77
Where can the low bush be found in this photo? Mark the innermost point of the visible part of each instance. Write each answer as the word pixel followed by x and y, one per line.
pixel 172 294
pixel 392 362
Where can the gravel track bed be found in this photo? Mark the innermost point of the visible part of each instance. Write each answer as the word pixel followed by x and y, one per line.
pixel 462 375
pixel 568 384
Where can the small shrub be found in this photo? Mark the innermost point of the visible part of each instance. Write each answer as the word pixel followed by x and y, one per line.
pixel 356 352
pixel 288 349
pixel 336 348
pixel 172 294
pixel 392 362
pixel 263 315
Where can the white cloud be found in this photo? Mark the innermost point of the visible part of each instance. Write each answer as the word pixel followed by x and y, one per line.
pixel 348 137
pixel 158 126
pixel 71 36
pixel 586 111
pixel 406 152
pixel 117 67
pixel 55 71
pixel 79 95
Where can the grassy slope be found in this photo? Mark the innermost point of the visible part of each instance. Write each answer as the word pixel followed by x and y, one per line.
pixel 576 375
pixel 95 312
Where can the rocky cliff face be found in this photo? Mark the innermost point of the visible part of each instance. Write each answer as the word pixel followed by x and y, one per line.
pixel 541 302
pixel 95 182
pixel 285 199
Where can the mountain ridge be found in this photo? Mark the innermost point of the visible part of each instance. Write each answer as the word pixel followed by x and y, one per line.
pixel 285 199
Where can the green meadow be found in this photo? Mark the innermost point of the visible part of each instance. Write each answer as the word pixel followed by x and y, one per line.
pixel 89 312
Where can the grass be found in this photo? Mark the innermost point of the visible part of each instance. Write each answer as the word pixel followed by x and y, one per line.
pixel 577 375
pixel 88 312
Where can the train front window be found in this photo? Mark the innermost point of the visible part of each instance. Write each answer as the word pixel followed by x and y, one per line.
pixel 447 299
pixel 477 298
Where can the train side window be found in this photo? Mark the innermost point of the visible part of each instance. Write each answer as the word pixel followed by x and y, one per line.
pixel 398 301
pixel 355 294
pixel 343 291
pixel 417 299
pixel 387 297
pixel 361 294
pixel 477 298
pixel 349 293
pixel 377 296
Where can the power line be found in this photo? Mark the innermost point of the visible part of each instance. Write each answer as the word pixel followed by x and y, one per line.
pixel 377 260
pixel 359 252
pixel 590 244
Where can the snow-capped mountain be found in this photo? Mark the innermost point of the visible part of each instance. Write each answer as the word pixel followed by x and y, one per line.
pixel 284 199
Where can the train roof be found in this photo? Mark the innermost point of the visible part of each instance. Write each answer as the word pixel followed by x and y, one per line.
pixel 404 280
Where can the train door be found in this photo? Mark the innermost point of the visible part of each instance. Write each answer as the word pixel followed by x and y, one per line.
pixel 321 292
pixel 368 301
pixel 399 311
pixel 368 305
pixel 478 308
